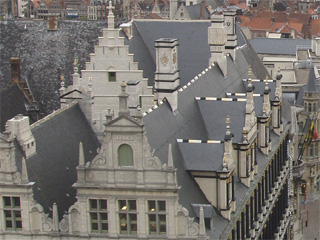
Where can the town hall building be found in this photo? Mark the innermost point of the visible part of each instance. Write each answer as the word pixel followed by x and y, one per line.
pixel 174 130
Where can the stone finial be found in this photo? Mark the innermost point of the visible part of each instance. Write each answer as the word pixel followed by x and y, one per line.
pixel 109 115
pixel 62 83
pixel 245 135
pixel 228 125
pixel 90 82
pixel 170 157
pixel 24 172
pixel 139 116
pixel 110 16
pixel 224 164
pixel 123 100
pixel 81 155
pixel 202 230
pixel 55 218
pixel 75 67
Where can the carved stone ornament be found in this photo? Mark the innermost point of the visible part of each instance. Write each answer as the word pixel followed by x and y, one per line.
pixel 16 177
pixel 164 60
pixel 3 160
pixel 193 228
pixel 64 224
pixel 99 160
pixel 46 223
pixel 152 161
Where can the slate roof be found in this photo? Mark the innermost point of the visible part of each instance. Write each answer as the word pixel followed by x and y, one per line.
pixel 202 157
pixel 311 84
pixel 188 122
pixel 216 112
pixel 193 46
pixel 53 167
pixel 283 46
pixel 195 10
pixel 12 103
pixel 54 55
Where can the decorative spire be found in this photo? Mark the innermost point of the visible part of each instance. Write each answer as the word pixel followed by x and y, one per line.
pixel 170 157
pixel 24 172
pixel 249 72
pixel 228 135
pixel 202 230
pixel 75 67
pixel 110 16
pixel 55 218
pixel 81 155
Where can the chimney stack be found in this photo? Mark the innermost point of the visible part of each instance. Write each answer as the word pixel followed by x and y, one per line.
pixel 15 69
pixel 217 40
pixel 167 78
pixel 230 25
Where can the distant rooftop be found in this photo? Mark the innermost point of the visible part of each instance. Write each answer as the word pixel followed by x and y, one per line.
pixel 282 46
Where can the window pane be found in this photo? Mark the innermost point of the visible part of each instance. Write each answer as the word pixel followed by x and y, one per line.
pixel 133 223
pixel 103 204
pixel 104 227
pixel 93 204
pixel 161 206
pixel 132 204
pixel 123 223
pixel 7 214
pixel 94 216
pixel 152 206
pixel 7 201
pixel 94 227
pixel 104 216
pixel 152 224
pixel 122 205
pixel 16 202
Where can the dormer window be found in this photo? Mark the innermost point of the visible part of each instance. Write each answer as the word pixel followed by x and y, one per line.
pixel 125 155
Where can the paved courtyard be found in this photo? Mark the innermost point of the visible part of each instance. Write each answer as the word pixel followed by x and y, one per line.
pixel 311 219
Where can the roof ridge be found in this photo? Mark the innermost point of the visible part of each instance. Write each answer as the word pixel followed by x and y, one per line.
pixel 198 141
pixel 221 99
pixel 53 114
pixel 196 78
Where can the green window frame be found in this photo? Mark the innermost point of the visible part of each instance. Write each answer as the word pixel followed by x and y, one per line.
pixel 98 209
pixel 112 76
pixel 12 213
pixel 157 217
pixel 128 217
pixel 125 155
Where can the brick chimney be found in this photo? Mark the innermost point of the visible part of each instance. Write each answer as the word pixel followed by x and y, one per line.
pixel 15 69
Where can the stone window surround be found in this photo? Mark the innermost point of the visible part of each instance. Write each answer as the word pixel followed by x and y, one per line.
pixel 14 210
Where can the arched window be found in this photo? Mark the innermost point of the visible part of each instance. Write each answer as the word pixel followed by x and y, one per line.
pixel 125 155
